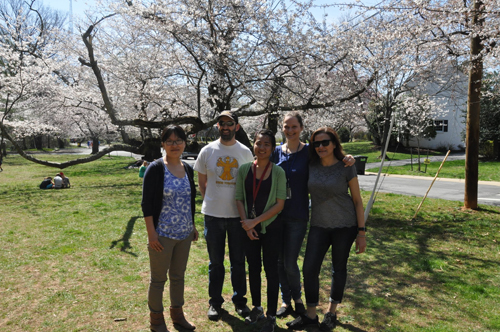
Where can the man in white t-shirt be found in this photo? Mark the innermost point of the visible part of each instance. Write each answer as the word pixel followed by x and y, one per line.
pixel 217 166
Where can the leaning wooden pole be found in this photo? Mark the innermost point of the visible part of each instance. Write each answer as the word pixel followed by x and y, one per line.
pixel 423 199
pixel 370 201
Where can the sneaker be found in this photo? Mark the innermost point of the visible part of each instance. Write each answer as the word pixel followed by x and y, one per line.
pixel 256 314
pixel 300 309
pixel 284 311
pixel 242 310
pixel 269 324
pixel 301 322
pixel 214 312
pixel 329 322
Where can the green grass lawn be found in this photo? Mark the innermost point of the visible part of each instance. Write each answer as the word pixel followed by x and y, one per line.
pixel 488 170
pixel 76 260
pixel 369 150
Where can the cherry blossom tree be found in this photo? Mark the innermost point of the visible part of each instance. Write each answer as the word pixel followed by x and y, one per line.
pixel 462 30
pixel 26 30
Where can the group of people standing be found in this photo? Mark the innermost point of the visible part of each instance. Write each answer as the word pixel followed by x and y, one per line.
pixel 262 206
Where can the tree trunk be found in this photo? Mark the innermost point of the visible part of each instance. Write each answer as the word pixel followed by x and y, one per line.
pixel 272 121
pixel 95 145
pixel 242 137
pixel 60 143
pixel 151 149
pixel 496 149
pixel 473 111
pixel 38 141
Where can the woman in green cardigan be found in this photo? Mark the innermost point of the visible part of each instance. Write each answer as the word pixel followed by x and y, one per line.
pixel 260 197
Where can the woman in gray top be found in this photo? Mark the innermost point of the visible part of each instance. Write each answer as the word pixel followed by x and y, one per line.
pixel 337 219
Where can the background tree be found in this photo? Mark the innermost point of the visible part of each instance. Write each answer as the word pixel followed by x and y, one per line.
pixel 147 66
pixel 466 31
pixel 490 114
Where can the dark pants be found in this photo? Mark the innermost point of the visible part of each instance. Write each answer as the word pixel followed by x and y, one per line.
pixel 319 241
pixel 269 244
pixel 215 235
pixel 294 231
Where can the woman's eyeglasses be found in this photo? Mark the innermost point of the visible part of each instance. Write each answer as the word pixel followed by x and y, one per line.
pixel 324 142
pixel 177 142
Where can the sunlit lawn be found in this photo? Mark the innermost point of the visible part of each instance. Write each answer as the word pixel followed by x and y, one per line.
pixel 369 150
pixel 488 170
pixel 76 260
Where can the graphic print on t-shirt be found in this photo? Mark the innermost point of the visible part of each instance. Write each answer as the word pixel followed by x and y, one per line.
pixel 226 170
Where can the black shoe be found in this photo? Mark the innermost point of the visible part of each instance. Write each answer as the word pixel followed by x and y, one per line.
pixel 269 324
pixel 256 314
pixel 214 312
pixel 300 309
pixel 242 310
pixel 329 322
pixel 284 311
pixel 302 322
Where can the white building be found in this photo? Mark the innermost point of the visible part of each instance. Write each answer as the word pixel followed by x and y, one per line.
pixel 450 93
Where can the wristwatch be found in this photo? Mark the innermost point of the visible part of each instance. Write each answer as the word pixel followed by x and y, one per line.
pixel 362 229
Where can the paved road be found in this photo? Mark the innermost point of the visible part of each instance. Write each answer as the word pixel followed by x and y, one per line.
pixel 452 156
pixel 449 189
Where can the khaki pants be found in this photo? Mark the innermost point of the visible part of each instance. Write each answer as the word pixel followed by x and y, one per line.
pixel 172 260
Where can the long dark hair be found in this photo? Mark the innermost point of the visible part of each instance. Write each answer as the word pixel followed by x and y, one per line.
pixel 337 152
pixel 266 132
pixel 173 129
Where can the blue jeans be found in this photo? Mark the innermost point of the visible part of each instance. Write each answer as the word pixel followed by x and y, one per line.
pixel 319 241
pixel 294 231
pixel 265 249
pixel 215 235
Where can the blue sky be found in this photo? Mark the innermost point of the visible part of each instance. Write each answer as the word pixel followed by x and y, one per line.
pixel 79 6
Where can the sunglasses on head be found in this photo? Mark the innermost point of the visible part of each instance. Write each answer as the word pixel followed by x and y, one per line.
pixel 324 142
pixel 226 123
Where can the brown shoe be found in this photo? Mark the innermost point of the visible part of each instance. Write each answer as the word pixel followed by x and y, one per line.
pixel 157 322
pixel 178 318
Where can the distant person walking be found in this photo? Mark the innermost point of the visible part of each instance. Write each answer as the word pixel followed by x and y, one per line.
pixel 168 205
pixel 143 168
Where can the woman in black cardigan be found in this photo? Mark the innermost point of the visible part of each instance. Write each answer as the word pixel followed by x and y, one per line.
pixel 168 204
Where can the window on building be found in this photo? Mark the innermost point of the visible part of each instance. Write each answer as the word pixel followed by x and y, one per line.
pixel 441 125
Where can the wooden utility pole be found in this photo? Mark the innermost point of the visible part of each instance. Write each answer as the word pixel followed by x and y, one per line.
pixel 473 110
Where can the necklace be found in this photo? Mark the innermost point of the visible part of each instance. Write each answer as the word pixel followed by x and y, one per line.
pixel 255 187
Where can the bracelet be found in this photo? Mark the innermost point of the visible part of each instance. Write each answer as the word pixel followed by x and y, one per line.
pixel 359 235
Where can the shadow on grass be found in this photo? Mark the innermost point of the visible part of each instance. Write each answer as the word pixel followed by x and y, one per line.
pixel 126 238
pixel 237 324
pixel 408 269
pixel 484 209
pixel 350 327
